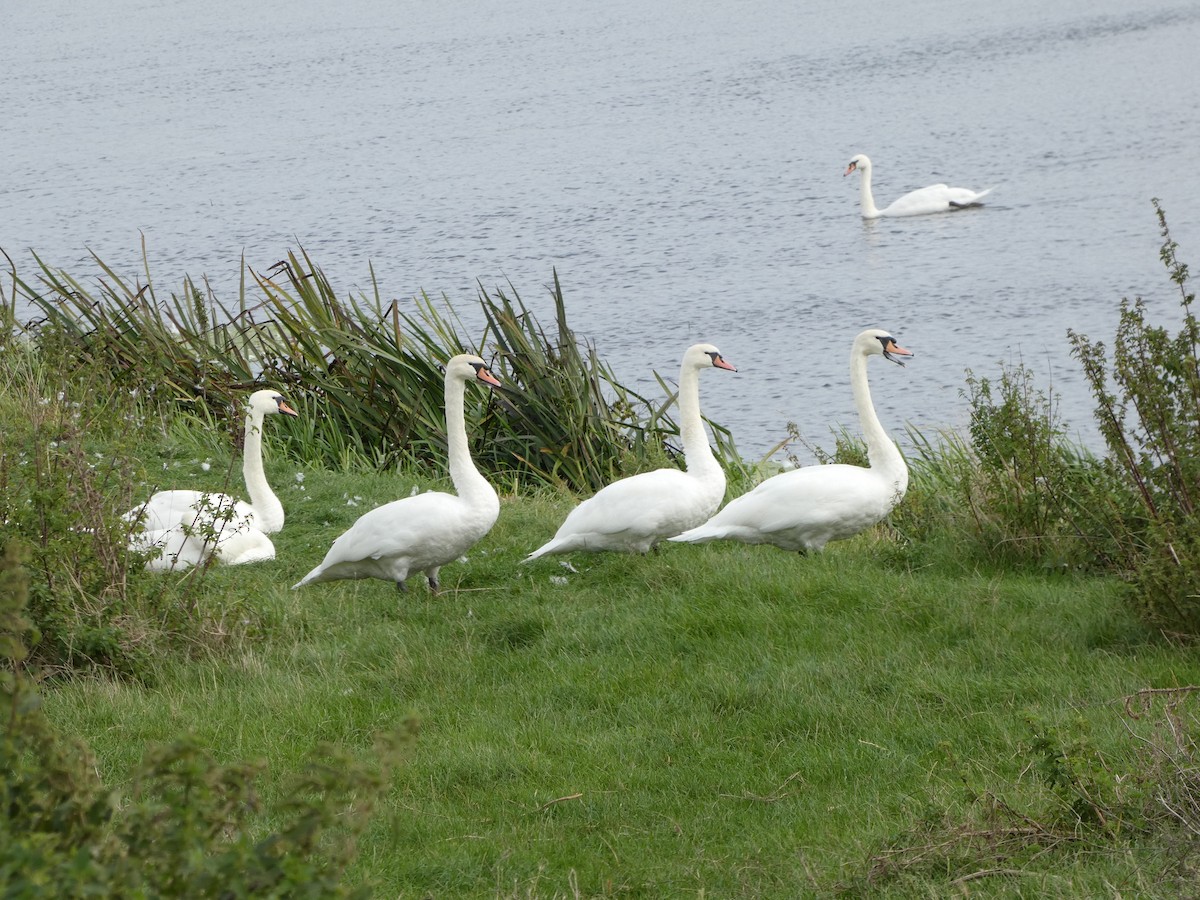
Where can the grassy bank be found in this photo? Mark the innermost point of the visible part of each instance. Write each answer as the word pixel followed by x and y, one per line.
pixel 718 720
pixel 993 692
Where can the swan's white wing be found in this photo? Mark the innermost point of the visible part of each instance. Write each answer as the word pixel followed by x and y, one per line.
pixel 633 514
pixel 409 535
pixel 933 199
pixel 166 509
pixel 246 545
pixel 802 509
pixel 180 546
pixel 169 548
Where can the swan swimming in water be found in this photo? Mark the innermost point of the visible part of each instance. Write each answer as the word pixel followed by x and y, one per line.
pixel 424 532
pixel 182 528
pixel 803 509
pixel 633 514
pixel 933 199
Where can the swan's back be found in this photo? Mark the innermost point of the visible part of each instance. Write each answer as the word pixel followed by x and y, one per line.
pixel 804 509
pixel 414 534
pixel 180 547
pixel 635 513
pixel 934 199
pixel 166 509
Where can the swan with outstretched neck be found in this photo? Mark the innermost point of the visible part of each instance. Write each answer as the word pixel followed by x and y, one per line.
pixel 184 527
pixel 933 199
pixel 422 533
pixel 633 514
pixel 805 508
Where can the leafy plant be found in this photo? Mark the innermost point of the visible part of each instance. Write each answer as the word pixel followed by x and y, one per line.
pixel 58 494
pixel 1147 406
pixel 1028 485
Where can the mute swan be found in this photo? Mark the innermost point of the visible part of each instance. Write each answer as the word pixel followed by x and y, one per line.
pixel 178 547
pixel 422 533
pixel 633 514
pixel 184 527
pixel 805 508
pixel 933 199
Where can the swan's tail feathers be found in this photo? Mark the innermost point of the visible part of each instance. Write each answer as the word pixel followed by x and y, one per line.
pixel 314 575
pixel 977 200
pixel 698 535
pixel 544 550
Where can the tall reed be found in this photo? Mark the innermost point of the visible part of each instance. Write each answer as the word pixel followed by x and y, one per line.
pixel 366 371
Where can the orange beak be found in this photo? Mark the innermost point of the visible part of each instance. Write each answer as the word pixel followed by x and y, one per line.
pixel 721 363
pixel 284 408
pixel 487 377
pixel 850 168
pixel 892 350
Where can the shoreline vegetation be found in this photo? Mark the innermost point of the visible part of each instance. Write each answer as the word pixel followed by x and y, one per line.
pixel 994 691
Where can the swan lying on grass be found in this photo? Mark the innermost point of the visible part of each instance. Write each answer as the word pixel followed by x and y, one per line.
pixel 183 528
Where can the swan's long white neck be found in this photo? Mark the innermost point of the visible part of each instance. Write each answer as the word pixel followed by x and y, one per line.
pixel 696 450
pixel 268 511
pixel 884 455
pixel 470 485
pixel 869 209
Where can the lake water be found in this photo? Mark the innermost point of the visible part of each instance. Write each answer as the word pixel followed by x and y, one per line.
pixel 679 163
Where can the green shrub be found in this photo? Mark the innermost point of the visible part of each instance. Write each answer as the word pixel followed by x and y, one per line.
pixel 1028 486
pixel 66 469
pixel 1148 411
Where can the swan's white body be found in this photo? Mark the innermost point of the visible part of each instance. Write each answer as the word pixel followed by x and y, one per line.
pixel 635 513
pixel 183 528
pixel 178 548
pixel 806 508
pixel 933 199
pixel 422 533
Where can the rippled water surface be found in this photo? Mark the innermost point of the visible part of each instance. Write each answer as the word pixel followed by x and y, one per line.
pixel 680 164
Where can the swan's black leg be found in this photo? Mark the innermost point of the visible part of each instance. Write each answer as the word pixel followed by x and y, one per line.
pixel 434 584
pixel 401 587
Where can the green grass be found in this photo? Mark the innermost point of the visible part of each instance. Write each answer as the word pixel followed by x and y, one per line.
pixel 717 720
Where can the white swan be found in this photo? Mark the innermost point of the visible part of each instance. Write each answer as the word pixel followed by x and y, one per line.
pixel 933 199
pixel 422 533
pixel 183 527
pixel 805 508
pixel 633 514
pixel 181 547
